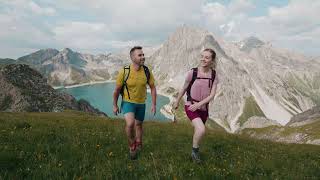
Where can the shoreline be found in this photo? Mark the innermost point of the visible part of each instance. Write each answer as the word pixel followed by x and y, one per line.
pixel 164 110
pixel 83 84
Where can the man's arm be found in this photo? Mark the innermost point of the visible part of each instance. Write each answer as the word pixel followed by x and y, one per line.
pixel 115 99
pixel 117 89
pixel 154 98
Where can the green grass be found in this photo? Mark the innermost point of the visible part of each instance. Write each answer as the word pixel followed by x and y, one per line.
pixel 251 108
pixel 311 129
pixel 75 145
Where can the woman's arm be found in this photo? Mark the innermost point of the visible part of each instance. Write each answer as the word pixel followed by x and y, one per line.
pixel 181 93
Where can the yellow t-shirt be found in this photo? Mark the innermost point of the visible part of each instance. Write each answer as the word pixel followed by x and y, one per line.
pixel 137 84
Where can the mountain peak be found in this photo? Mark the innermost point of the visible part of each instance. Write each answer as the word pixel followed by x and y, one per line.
pixel 38 57
pixel 253 39
pixel 187 36
pixel 250 43
pixel 188 29
pixel 44 51
pixel 67 50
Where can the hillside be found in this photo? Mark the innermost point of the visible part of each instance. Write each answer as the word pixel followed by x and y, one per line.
pixel 23 89
pixel 303 134
pixel 6 61
pixel 76 145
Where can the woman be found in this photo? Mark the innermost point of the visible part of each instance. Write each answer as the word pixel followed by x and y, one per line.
pixel 200 85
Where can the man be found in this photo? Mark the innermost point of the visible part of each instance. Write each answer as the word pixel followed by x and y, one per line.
pixel 132 81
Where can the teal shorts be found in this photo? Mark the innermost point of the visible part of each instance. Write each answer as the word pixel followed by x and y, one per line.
pixel 137 109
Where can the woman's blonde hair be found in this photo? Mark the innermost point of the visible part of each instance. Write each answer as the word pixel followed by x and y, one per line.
pixel 213 56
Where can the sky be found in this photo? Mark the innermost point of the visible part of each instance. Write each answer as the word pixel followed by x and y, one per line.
pixel 102 26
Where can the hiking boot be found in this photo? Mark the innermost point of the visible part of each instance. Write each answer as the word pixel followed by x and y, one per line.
pixel 138 146
pixel 133 154
pixel 196 157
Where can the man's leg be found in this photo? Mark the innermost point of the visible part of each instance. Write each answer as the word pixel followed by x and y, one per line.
pixel 129 117
pixel 139 116
pixel 199 131
pixel 139 132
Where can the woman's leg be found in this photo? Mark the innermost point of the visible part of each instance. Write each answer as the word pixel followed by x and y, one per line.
pixel 199 131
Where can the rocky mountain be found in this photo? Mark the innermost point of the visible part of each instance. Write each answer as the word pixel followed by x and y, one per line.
pixel 306 117
pixel 250 43
pixel 67 67
pixel 6 61
pixel 303 128
pixel 255 78
pixel 38 57
pixel 24 89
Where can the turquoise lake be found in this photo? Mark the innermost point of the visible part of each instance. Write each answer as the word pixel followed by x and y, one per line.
pixel 101 96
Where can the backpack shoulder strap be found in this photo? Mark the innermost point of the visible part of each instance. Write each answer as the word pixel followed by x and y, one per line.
pixel 213 76
pixel 147 73
pixel 194 77
pixel 126 72
pixel 194 74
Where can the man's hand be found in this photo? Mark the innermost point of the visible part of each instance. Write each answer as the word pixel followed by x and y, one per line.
pixel 153 109
pixel 115 110
pixel 194 107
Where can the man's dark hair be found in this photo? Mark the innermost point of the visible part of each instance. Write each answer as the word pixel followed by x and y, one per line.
pixel 134 48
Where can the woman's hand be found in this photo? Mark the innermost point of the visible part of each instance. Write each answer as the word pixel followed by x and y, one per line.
pixel 194 107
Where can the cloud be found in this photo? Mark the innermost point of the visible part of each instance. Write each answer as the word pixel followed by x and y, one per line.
pixel 240 6
pixel 89 37
pixel 140 14
pixel 35 8
pixel 215 13
pixel 291 26
pixel 82 35
pixel 104 25
pixel 21 30
pixel 297 17
pixel 142 22
pixel 28 7
pixel 223 19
